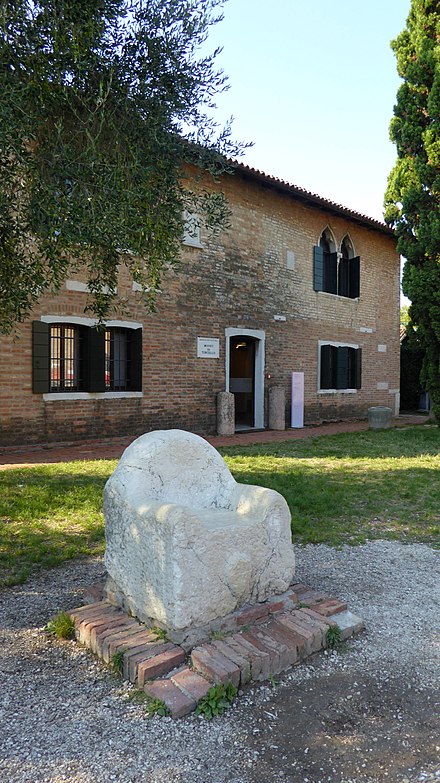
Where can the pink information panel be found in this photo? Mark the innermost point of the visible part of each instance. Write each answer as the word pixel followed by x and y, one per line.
pixel 297 399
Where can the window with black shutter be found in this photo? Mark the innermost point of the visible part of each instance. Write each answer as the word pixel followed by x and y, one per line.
pixel 123 359
pixel 336 273
pixel 66 358
pixel 71 358
pixel 340 367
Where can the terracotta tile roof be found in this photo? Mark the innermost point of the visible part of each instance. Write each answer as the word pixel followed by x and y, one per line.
pixel 310 198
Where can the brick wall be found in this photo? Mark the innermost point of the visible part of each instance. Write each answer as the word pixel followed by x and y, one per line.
pixel 238 280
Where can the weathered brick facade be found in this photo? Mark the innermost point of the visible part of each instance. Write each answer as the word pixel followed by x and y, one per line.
pixel 239 281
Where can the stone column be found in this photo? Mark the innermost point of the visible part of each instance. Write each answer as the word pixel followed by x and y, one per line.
pixel 277 408
pixel 225 413
pixel 379 418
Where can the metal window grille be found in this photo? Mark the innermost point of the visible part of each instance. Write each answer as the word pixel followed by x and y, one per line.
pixel 65 363
pixel 117 360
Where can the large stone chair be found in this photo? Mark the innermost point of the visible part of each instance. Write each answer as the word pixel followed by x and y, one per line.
pixel 185 543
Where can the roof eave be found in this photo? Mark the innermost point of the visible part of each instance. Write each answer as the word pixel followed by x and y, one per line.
pixel 311 199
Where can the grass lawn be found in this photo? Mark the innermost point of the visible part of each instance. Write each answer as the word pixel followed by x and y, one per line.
pixel 345 488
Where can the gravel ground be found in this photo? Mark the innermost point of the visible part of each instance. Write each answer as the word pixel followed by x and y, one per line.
pixel 368 715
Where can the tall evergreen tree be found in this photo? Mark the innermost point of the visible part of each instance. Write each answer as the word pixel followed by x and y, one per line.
pixel 102 105
pixel 412 199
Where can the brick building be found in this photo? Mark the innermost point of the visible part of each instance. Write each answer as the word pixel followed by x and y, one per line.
pixel 298 284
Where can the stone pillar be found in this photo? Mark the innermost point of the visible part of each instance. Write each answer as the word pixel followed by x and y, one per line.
pixel 225 413
pixel 277 408
pixel 379 418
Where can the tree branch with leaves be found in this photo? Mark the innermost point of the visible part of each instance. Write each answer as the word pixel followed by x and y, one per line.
pixel 103 103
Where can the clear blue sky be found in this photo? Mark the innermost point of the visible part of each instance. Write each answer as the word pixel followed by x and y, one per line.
pixel 313 85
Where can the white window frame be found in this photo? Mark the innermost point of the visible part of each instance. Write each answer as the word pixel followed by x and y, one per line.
pixel 76 320
pixel 191 234
pixel 335 344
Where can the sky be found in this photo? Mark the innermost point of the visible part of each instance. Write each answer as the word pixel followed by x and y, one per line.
pixel 313 84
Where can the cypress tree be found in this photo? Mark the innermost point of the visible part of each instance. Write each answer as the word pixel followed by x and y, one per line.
pixel 412 199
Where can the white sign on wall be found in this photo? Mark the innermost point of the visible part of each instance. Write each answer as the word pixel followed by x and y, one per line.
pixel 208 347
pixel 297 399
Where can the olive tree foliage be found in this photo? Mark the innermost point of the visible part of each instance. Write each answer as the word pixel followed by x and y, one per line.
pixel 412 200
pixel 103 105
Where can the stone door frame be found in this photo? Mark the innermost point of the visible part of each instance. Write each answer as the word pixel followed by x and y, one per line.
pixel 260 343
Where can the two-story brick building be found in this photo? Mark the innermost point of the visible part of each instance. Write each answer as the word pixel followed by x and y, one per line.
pixel 298 284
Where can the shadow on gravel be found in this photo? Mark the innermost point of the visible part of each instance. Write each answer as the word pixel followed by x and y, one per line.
pixel 345 726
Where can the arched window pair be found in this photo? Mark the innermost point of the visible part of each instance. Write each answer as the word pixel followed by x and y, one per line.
pixel 336 272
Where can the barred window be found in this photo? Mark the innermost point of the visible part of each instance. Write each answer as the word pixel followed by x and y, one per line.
pixel 65 358
pixel 74 357
pixel 117 360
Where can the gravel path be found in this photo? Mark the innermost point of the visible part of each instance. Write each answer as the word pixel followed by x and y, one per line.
pixel 368 715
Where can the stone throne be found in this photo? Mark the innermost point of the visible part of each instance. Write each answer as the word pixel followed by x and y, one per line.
pixel 186 544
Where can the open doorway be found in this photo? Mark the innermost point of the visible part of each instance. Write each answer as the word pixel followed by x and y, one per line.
pixel 245 375
pixel 242 379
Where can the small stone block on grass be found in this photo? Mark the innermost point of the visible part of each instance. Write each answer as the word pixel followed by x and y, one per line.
pixel 348 623
pixel 159 665
pixel 178 703
pixel 192 684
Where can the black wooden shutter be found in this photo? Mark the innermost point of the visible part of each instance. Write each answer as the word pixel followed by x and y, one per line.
pixel 342 368
pixel 318 268
pixel 94 359
pixel 354 277
pixel 343 277
pixel 331 273
pixel 40 357
pixel 326 367
pixel 358 368
pixel 136 360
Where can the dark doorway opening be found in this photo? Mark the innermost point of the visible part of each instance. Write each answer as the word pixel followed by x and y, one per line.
pixel 242 379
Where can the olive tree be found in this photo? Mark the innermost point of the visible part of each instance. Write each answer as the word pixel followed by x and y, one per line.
pixel 103 106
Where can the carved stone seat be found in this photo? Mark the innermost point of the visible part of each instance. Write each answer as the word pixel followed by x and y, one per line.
pixel 185 543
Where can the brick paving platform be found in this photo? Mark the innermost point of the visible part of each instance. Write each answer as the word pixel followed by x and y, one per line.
pixel 269 638
pixel 112 448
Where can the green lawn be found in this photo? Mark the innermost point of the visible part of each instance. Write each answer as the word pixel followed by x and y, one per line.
pixel 341 489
